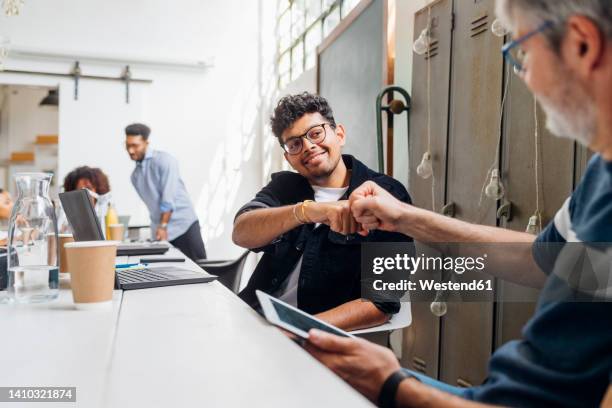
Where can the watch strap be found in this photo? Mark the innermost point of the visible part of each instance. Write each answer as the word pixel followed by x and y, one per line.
pixel 388 392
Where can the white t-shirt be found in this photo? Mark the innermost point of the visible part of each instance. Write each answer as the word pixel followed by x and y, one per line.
pixel 288 291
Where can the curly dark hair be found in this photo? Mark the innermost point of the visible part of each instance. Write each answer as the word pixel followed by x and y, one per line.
pixel 292 107
pixel 95 176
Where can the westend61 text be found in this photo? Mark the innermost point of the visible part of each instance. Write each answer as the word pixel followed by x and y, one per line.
pixel 430 284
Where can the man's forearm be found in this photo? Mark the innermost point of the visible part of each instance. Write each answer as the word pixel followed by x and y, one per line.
pixel 258 228
pixel 413 394
pixel 353 315
pixel 512 259
pixel 165 217
pixel 428 226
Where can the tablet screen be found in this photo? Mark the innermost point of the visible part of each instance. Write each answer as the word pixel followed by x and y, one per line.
pixel 301 321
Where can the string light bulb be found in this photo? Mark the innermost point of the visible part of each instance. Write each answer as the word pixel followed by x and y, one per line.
pixel 495 189
pixel 533 226
pixel 421 45
pixel 425 168
pixel 12 7
pixel 438 309
pixel 498 29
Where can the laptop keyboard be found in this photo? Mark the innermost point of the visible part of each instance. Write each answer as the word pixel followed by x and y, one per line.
pixel 151 278
pixel 141 275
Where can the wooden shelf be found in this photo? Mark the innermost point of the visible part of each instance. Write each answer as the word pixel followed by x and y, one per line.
pixel 21 157
pixel 46 140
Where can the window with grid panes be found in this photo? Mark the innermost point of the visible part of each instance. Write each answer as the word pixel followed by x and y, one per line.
pixel 301 27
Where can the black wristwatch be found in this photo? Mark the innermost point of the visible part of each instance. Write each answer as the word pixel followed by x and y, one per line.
pixel 388 392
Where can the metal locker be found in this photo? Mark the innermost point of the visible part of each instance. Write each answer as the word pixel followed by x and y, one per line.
pixel 421 339
pixel 476 77
pixel 555 180
pixel 582 157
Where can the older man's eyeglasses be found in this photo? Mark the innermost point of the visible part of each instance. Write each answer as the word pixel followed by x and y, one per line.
pixel 514 53
pixel 295 144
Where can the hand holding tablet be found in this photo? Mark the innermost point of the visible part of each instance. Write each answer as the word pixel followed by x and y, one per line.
pixel 292 319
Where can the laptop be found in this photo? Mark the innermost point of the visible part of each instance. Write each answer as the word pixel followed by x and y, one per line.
pixel 86 226
pixel 153 277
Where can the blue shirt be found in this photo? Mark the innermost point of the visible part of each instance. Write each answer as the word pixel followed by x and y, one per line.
pixel 565 356
pixel 158 183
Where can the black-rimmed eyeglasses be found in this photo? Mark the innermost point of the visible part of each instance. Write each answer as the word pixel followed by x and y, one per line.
pixel 295 144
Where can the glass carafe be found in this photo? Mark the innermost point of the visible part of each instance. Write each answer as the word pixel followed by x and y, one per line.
pixel 33 274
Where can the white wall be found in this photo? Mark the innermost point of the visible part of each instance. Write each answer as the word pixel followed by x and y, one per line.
pixel 211 121
pixel 4 127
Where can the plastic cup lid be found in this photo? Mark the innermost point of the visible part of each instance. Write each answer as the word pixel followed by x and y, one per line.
pixel 91 244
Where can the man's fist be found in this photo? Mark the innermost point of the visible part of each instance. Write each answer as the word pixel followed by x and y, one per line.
pixel 375 208
pixel 336 214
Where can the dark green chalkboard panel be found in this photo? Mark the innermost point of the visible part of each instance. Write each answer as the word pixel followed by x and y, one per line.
pixel 352 70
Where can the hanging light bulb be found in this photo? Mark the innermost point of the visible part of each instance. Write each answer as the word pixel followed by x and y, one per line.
pixel 533 226
pixel 421 45
pixel 425 168
pixel 498 29
pixel 12 7
pixel 495 188
pixel 439 309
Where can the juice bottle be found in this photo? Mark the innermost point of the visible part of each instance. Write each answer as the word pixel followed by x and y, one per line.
pixel 110 219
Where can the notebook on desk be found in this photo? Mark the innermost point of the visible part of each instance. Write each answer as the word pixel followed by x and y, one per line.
pixel 86 227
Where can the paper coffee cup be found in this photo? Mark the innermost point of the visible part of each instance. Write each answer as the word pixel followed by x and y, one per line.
pixel 92 272
pixel 117 232
pixel 63 260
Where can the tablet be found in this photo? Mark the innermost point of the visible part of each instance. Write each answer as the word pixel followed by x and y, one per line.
pixel 292 319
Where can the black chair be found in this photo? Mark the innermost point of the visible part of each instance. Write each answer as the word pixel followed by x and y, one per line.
pixel 228 271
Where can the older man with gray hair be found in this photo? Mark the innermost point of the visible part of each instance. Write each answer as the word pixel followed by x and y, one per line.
pixel 562 49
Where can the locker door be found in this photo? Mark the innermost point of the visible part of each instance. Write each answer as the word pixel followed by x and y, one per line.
pixel 421 339
pixel 582 157
pixel 476 84
pixel 518 173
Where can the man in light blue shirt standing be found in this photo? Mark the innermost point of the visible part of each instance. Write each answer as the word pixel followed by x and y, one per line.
pixel 156 179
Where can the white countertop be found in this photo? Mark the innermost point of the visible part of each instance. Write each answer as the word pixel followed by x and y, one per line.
pixel 179 346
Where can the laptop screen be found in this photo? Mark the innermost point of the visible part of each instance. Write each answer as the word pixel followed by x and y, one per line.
pixel 81 216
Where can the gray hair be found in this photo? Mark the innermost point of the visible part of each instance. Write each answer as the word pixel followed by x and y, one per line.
pixel 536 12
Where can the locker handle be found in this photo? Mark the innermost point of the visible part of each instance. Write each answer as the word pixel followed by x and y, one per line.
pixel 419 365
pixel 419 361
pixel 462 383
pixel 505 211
pixel 449 209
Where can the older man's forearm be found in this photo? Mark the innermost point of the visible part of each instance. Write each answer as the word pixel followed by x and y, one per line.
pixel 511 259
pixel 413 394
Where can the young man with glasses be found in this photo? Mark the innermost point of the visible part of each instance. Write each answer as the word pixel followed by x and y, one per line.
pixel 302 223
pixel 565 356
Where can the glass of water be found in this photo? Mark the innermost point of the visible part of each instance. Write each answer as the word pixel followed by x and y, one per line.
pixel 33 273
